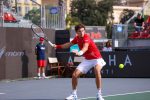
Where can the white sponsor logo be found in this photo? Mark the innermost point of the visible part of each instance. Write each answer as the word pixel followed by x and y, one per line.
pixel 10 53
pixel 42 48
pixel 14 53
pixel 2 51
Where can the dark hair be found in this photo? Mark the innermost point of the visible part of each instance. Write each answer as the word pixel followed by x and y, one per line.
pixel 77 27
pixel 139 14
pixel 108 44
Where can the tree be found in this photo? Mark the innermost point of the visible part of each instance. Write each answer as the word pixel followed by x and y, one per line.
pixel 91 12
pixel 106 19
pixel 34 16
pixel 94 13
pixel 83 10
pixel 60 2
pixel 105 8
pixel 70 21
pixel 126 15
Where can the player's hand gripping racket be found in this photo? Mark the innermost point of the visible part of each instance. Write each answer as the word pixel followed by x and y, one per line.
pixel 38 31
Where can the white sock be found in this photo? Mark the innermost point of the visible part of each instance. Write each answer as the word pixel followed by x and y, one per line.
pixel 74 92
pixel 43 74
pixel 100 91
pixel 38 74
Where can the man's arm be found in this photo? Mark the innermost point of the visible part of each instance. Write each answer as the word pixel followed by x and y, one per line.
pixel 64 46
pixel 85 47
pixel 134 24
pixel 143 24
pixel 83 50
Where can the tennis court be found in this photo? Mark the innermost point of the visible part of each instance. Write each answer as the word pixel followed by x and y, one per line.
pixel 59 88
pixel 143 95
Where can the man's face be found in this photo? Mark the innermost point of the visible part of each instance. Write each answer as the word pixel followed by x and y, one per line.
pixel 41 42
pixel 139 16
pixel 80 32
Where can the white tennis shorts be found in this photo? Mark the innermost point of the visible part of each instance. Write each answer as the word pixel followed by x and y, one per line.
pixel 86 65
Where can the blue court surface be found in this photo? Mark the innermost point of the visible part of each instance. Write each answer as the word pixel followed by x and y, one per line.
pixel 59 88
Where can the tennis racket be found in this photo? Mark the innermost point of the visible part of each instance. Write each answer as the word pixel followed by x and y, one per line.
pixel 38 31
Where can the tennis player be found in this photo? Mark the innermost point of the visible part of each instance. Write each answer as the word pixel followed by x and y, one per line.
pixel 93 58
pixel 41 62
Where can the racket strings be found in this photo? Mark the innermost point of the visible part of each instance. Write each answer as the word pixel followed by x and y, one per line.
pixel 38 31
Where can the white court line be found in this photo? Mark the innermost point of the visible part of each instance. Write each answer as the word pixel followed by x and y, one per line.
pixel 2 93
pixel 118 94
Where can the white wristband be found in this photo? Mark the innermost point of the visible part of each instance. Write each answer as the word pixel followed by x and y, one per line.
pixel 51 43
pixel 80 53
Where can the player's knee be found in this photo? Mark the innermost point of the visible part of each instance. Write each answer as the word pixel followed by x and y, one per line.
pixel 97 75
pixel 74 75
pixel 97 72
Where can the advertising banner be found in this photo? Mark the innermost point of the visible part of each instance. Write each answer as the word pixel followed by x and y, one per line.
pixel 136 64
pixel 95 32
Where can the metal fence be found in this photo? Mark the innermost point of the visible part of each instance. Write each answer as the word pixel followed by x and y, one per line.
pixel 51 17
pixel 25 25
pixel 54 17
pixel 120 35
pixel 120 40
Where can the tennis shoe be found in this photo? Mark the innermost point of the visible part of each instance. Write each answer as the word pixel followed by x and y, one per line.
pixel 45 77
pixel 99 97
pixel 39 77
pixel 72 97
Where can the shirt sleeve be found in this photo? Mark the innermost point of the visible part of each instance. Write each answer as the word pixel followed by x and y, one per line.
pixel 86 39
pixel 74 41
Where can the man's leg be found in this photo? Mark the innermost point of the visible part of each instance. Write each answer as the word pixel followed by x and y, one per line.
pixel 39 71
pixel 39 68
pixel 43 68
pixel 76 74
pixel 98 80
pixel 43 71
pixel 97 71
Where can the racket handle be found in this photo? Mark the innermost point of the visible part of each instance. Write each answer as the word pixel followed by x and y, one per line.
pixel 51 43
